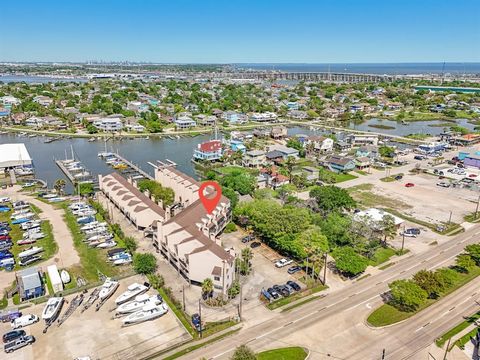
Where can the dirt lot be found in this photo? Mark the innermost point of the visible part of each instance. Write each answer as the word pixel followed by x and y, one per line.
pixel 428 201
pixel 98 335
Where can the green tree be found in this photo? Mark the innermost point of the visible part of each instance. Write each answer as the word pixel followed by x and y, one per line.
pixel 239 180
pixel 86 189
pixel 144 263
pixel 231 195
pixel 130 244
pixel 243 352
pixel 336 228
pixel 464 263
pixel 207 286
pixel 348 261
pixel 328 198
pixel 387 227
pixel 429 281
pixel 474 251
pixel 289 164
pixel 386 151
pixel 407 295
pixel 59 185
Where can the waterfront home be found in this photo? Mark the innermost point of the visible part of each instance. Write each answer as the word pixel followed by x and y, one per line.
pixel 18 118
pixel 184 122
pixel 297 114
pixel 284 150
pixel 108 124
pixel 467 139
pixel 342 145
pixel 206 120
pixel 234 117
pixel 43 100
pixel 356 107
pixel 363 139
pixel 340 163
pixel 278 132
pixel 29 283
pixel 254 158
pixel 35 122
pixel 319 144
pixel 135 127
pixel 267 116
pixel 368 151
pixel 261 133
pixel 208 150
pixel 363 163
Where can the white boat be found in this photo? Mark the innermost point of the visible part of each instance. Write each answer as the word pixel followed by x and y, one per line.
pixel 30 251
pixel 123 261
pixel 50 196
pixel 89 226
pixel 138 303
pixel 57 199
pixel 65 276
pixel 31 225
pixel 132 291
pixel 52 309
pixel 148 312
pixel 99 237
pixel 82 174
pixel 74 168
pixel 26 215
pixel 96 231
pixel 108 288
pixel 86 212
pixel 107 244
pixel 77 205
pixel 34 236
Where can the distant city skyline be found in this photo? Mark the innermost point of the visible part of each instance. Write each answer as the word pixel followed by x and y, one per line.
pixel 215 32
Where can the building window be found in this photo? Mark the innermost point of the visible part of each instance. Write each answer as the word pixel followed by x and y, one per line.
pixel 216 278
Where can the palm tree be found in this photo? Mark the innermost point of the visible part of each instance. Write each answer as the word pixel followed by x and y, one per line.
pixel 207 286
pixel 60 185
pixel 289 164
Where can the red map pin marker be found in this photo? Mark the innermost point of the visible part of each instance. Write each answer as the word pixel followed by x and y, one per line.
pixel 212 198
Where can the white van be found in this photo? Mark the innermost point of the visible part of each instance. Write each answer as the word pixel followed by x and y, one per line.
pixel 24 320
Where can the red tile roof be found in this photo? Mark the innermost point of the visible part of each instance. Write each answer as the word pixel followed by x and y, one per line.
pixel 210 146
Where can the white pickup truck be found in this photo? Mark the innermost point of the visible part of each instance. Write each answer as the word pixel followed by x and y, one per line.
pixel 283 262
pixel 24 320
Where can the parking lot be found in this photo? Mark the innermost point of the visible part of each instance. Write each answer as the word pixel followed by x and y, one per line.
pixel 98 334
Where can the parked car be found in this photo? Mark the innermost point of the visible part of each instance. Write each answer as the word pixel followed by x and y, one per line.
pixel 12 335
pixel 23 321
pixel 415 231
pixel 247 238
pixel 283 262
pixel 419 157
pixel 293 269
pixel 19 343
pixel 273 293
pixel 443 184
pixel 409 185
pixel 294 285
pixel 255 244
pixel 399 177
pixel 197 322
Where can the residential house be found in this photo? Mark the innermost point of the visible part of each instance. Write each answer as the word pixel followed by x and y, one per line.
pixel 363 139
pixel 209 150
pixel 29 283
pixel 374 217
pixel 135 127
pixel 43 100
pixel 4 111
pixel 368 151
pixel 297 114
pixel 9 100
pixel 234 117
pixel 319 144
pixel 311 172
pixel 267 116
pixel 363 163
pixel 274 156
pixel 278 132
pixel 206 120
pixel 254 158
pixel 285 150
pixel 108 124
pixel 261 133
pixel 292 105
pixel 340 163
pixel 237 145
pixel 184 122
pixel 35 121
pixel 342 145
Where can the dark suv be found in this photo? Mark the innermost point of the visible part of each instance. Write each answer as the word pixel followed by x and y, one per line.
pixel 12 335
pixel 294 285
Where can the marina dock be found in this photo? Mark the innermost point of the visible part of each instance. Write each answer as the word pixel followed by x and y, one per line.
pixel 127 168
pixel 79 175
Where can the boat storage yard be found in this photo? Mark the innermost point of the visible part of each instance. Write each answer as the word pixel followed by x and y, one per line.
pixel 100 334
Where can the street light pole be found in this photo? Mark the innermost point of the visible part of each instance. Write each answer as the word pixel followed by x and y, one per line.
pixel 200 315
pixel 325 270
pixel 476 209
pixel 403 238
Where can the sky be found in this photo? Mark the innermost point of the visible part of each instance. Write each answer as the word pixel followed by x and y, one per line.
pixel 234 31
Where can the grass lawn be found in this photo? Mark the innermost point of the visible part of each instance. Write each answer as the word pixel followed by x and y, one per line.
pixel 288 353
pixel 458 328
pixel 344 177
pixel 382 255
pixel 387 314
pixel 361 172
pixel 466 338
pixel 92 259
pixel 363 194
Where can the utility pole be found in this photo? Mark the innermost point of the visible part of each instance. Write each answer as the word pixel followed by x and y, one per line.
pixel 450 218
pixel 325 270
pixel 476 209
pixel 183 294
pixel 200 314
pixel 240 305
pixel 403 238
pixel 307 268
pixel 383 354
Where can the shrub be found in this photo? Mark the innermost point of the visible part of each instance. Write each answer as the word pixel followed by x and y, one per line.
pixel 144 263
pixel 230 228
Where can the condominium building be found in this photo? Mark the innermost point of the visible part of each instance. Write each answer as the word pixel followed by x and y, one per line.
pixel 184 234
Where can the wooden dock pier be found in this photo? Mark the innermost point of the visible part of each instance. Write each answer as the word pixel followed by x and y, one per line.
pixel 133 168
